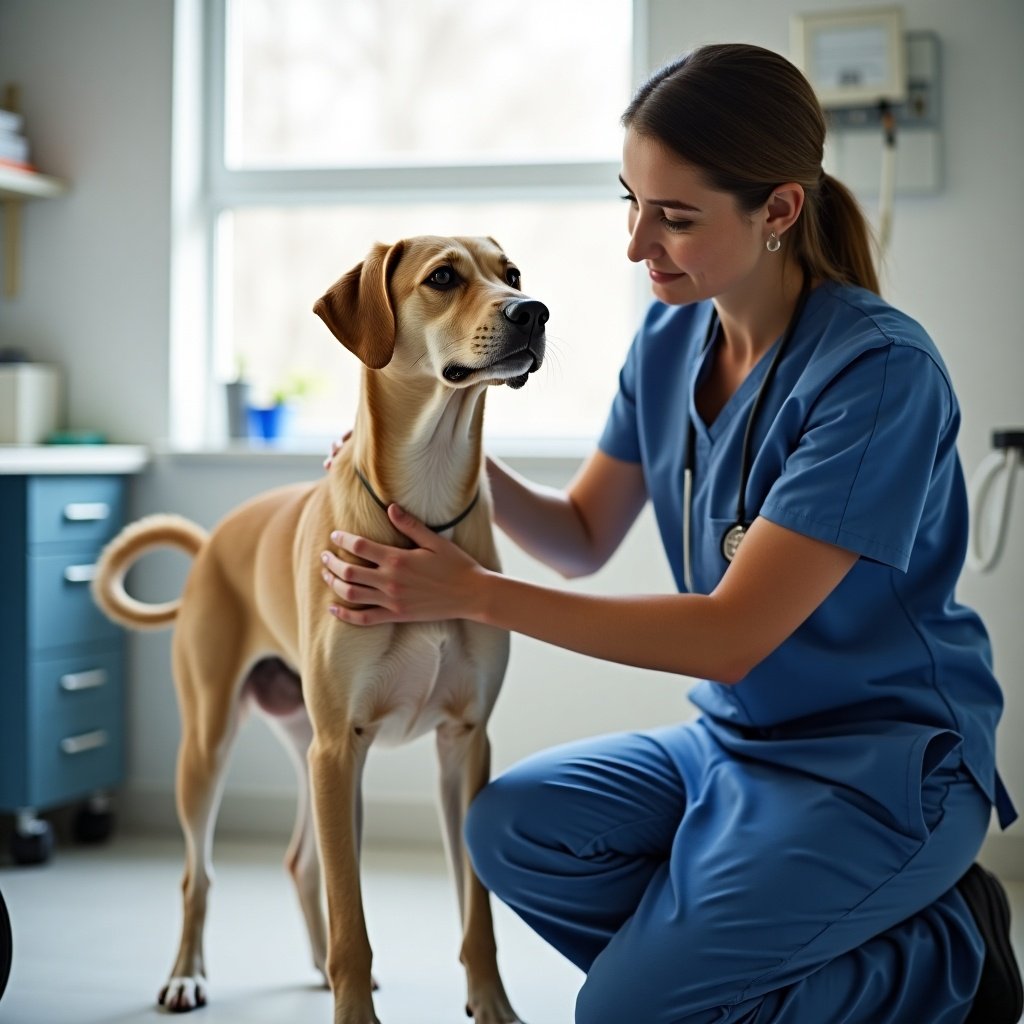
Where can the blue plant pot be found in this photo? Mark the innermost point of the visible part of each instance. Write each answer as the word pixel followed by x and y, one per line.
pixel 270 422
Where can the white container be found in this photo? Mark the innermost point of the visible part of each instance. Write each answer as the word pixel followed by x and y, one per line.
pixel 29 402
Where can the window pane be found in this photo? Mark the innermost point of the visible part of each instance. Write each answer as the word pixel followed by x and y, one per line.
pixel 370 82
pixel 572 256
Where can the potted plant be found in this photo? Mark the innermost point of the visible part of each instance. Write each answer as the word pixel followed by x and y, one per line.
pixel 237 393
pixel 271 421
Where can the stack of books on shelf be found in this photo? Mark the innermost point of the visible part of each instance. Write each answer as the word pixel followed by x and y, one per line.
pixel 14 151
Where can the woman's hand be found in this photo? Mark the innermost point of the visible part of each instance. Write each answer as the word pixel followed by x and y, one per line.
pixel 433 581
pixel 336 447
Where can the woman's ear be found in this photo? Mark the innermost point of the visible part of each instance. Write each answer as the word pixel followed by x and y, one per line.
pixel 783 207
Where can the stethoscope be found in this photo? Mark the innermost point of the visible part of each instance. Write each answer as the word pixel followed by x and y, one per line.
pixel 733 536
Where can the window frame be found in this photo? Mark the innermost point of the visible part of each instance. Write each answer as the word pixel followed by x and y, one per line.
pixel 204 187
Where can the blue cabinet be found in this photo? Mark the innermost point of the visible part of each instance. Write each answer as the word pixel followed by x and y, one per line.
pixel 61 660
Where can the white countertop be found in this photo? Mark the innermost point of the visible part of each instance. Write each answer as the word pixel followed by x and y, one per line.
pixel 59 459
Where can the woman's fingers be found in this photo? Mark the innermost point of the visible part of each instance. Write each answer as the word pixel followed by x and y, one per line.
pixel 354 593
pixel 336 447
pixel 363 616
pixel 367 550
pixel 418 532
pixel 338 569
pixel 353 584
pixel 432 581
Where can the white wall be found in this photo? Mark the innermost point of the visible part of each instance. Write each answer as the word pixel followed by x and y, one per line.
pixel 96 76
pixel 96 94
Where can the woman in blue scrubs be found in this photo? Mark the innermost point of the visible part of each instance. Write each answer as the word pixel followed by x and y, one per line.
pixel 802 852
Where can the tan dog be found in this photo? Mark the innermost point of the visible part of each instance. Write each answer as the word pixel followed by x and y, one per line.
pixel 435 320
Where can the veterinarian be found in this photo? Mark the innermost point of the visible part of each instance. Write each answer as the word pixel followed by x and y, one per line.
pixel 803 851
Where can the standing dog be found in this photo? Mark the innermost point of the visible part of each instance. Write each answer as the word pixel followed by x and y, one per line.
pixel 435 321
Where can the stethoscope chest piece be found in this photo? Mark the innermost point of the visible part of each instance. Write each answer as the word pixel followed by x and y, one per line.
pixel 731 540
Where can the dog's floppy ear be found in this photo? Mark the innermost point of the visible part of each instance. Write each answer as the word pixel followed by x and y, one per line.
pixel 357 307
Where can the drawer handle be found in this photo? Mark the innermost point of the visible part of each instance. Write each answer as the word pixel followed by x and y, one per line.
pixel 75 681
pixel 80 573
pixel 86 741
pixel 86 511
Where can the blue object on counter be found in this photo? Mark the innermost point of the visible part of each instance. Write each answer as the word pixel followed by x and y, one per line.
pixel 270 422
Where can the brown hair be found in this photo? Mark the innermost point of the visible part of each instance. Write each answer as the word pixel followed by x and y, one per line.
pixel 749 121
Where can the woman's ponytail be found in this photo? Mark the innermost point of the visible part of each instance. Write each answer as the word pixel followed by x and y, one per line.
pixel 832 237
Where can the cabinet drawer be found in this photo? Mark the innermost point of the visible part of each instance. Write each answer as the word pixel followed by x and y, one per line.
pixel 74 509
pixel 75 689
pixel 70 761
pixel 61 611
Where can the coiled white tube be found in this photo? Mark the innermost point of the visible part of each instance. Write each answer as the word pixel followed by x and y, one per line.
pixel 985 542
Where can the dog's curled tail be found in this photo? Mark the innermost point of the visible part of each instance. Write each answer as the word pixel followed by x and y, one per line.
pixel 134 541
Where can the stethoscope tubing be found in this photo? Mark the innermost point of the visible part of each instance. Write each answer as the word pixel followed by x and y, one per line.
pixel 687 505
pixel 734 534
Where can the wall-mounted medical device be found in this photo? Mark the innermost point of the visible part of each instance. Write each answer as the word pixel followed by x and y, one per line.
pixel 877 84
pixel 852 58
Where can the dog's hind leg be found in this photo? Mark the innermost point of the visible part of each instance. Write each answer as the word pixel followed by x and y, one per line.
pixel 303 859
pixel 465 757
pixel 202 762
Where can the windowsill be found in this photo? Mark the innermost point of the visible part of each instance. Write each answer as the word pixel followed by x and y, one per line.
pixel 560 449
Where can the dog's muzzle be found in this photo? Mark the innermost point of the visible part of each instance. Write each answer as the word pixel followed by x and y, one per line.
pixel 524 345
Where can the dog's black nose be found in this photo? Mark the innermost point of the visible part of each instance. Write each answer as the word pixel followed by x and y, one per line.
pixel 528 315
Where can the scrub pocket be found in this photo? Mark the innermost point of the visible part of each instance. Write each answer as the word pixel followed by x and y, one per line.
pixel 890 765
pixel 935 764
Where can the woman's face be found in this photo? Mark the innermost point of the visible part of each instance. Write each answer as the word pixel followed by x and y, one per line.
pixel 695 241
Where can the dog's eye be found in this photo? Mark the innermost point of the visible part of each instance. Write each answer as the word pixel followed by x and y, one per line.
pixel 513 276
pixel 442 279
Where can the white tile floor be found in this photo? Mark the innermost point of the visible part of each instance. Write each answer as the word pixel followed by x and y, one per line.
pixel 95 931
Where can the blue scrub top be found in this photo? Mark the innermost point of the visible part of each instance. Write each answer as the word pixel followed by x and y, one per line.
pixel 854 444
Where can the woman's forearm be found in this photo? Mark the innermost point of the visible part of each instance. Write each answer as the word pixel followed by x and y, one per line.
pixel 541 520
pixel 682 633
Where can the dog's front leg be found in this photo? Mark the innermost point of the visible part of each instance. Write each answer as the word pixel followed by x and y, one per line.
pixel 464 752
pixel 336 768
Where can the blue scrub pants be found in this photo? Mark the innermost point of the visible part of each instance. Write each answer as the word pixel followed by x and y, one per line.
pixel 695 885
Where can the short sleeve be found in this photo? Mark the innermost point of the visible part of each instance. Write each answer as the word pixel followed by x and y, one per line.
pixel 621 435
pixel 860 475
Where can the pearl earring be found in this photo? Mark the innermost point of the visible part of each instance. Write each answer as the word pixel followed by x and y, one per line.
pixel 774 243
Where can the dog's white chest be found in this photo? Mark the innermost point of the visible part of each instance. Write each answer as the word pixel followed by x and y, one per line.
pixel 426 677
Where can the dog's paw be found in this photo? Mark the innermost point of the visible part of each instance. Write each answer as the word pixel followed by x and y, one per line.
pixel 180 995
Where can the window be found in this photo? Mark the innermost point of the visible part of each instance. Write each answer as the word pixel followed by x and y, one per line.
pixel 334 124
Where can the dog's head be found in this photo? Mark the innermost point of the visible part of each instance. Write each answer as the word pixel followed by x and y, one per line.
pixel 449 307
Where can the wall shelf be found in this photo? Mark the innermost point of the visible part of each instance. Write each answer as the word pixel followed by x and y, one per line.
pixel 16 186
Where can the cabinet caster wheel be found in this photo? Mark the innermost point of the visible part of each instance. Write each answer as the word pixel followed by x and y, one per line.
pixel 33 846
pixel 93 825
